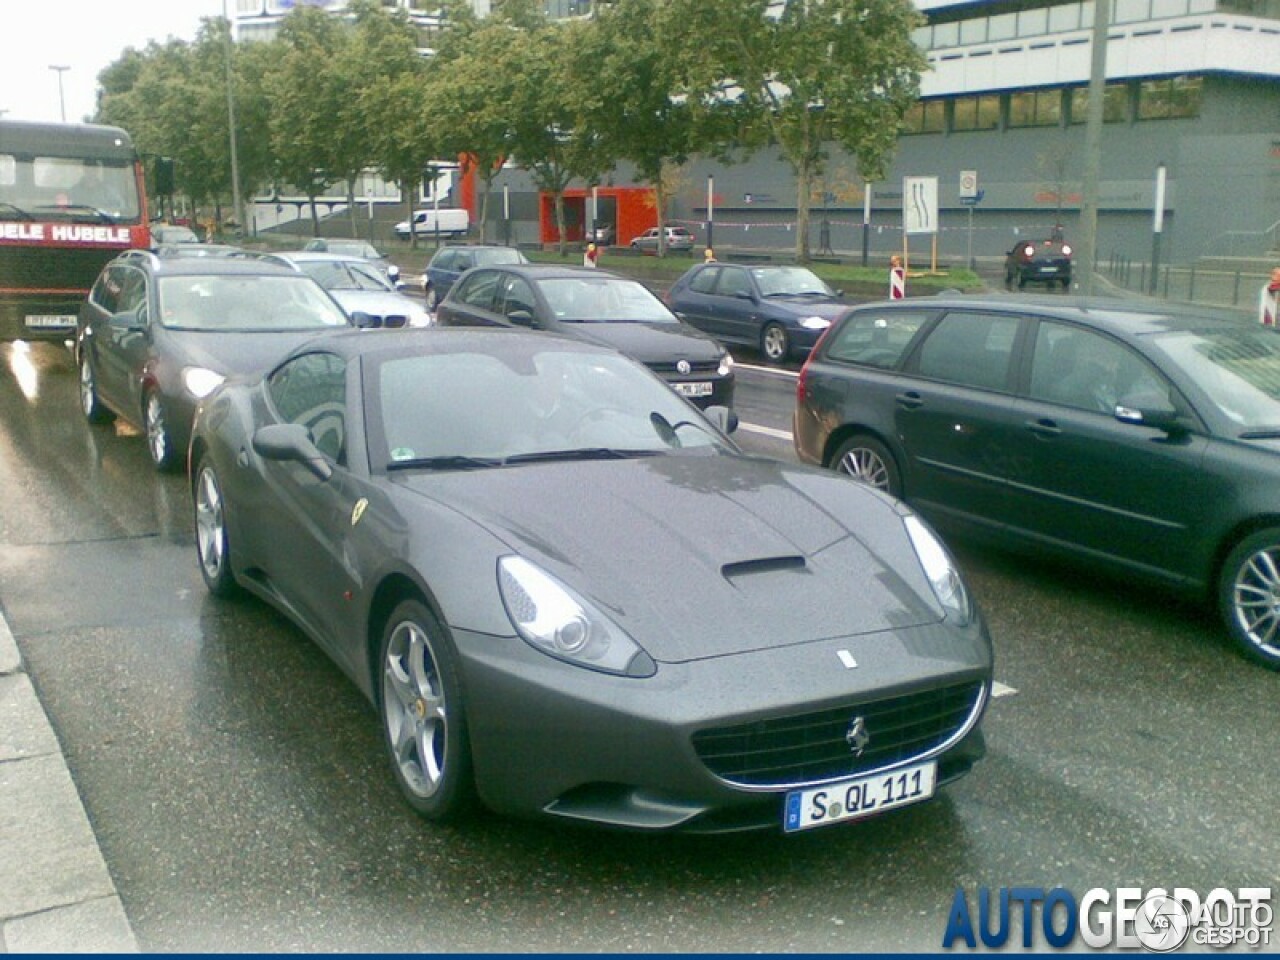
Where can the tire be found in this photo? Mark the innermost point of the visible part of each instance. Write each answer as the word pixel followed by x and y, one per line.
pixel 1249 596
pixel 423 713
pixel 90 402
pixel 159 440
pixel 1022 281
pixel 867 460
pixel 775 343
pixel 213 550
pixel 1066 284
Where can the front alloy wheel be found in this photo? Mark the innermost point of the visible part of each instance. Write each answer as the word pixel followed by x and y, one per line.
pixel 774 343
pixel 423 719
pixel 868 461
pixel 1249 596
pixel 211 533
pixel 159 441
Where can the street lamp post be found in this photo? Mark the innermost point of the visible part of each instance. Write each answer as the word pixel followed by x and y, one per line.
pixel 62 100
pixel 231 129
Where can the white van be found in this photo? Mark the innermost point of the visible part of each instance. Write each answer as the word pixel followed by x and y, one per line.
pixel 452 223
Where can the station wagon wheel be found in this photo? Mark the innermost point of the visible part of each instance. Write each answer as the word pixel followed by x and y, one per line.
pixel 90 402
pixel 1249 596
pixel 212 547
pixel 775 343
pixel 159 440
pixel 424 721
pixel 867 460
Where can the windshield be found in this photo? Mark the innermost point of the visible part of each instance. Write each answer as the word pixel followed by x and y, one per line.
pixel 789 282
pixel 336 275
pixel 460 410
pixel 92 191
pixel 589 299
pixel 351 249
pixel 1238 368
pixel 240 304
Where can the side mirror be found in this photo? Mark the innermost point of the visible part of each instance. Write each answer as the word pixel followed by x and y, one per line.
pixel 1148 411
pixel 364 321
pixel 129 320
pixel 745 295
pixel 522 318
pixel 722 418
pixel 291 442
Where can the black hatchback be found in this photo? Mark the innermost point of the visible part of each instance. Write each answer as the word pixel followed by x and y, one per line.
pixel 157 334
pixel 601 308
pixel 1141 439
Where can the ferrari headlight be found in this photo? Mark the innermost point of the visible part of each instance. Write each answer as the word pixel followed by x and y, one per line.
pixel 552 619
pixel 726 365
pixel 815 323
pixel 200 382
pixel 941 570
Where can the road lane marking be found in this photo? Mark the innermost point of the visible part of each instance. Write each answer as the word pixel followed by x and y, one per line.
pixel 793 374
pixel 999 689
pixel 767 431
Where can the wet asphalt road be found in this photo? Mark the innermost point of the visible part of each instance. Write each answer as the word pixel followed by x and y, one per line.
pixel 237 787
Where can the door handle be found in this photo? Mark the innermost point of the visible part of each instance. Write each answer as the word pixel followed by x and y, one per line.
pixel 1044 428
pixel 242 458
pixel 909 400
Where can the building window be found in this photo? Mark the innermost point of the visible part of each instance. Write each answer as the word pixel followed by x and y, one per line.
pixel 1170 97
pixel 946 34
pixel 924 116
pixel 976 113
pixel 1033 23
pixel 1035 108
pixel 973 31
pixel 1003 26
pixel 1066 17
pixel 1131 11
pixel 1115 103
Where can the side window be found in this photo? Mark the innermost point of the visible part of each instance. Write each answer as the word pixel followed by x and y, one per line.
pixel 705 280
pixel 444 260
pixel 478 289
pixel 106 292
pixel 876 339
pixel 733 282
pixel 463 261
pixel 133 291
pixel 971 349
pixel 311 390
pixel 1086 370
pixel 519 296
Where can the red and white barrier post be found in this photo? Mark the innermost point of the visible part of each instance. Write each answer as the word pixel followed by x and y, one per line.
pixel 897 278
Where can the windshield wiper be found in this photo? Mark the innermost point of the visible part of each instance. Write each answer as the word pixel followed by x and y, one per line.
pixel 580 453
pixel 102 215
pixel 16 209
pixel 445 463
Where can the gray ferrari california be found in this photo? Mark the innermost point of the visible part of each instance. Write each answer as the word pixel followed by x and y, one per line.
pixel 568 593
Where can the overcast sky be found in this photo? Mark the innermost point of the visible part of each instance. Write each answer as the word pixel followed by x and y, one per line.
pixel 86 36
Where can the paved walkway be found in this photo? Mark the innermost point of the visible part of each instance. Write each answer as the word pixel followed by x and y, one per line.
pixel 56 895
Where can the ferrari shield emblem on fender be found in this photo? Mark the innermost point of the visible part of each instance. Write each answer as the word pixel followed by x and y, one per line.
pixel 358 510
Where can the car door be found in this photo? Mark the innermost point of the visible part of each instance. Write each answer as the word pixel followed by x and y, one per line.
pixel 955 415
pixel 124 342
pixel 736 307
pixel 307 555
pixel 474 301
pixel 1086 478
pixel 695 301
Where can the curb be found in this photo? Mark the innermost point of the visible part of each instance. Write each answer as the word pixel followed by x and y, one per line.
pixel 56 895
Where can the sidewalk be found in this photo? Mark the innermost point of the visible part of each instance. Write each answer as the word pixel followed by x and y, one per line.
pixel 56 895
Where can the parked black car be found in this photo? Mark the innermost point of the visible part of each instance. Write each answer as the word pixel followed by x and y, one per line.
pixel 1039 261
pixel 567 594
pixel 1141 439
pixel 158 334
pixel 599 307
pixel 779 310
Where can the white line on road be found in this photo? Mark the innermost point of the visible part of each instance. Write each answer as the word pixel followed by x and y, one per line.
pixel 767 431
pixel 792 374
pixel 999 689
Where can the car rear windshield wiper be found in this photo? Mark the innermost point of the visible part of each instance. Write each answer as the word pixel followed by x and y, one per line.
pixel 445 463
pixel 580 453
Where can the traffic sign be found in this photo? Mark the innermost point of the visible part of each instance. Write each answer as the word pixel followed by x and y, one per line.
pixel 968 184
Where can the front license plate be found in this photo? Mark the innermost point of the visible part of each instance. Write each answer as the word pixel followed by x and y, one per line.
pixel 861 797
pixel 693 389
pixel 43 320
pixel 1048 269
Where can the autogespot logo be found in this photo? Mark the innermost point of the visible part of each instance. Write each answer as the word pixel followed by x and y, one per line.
pixel 1156 920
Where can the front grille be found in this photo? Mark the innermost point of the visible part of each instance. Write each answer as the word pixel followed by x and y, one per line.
pixel 48 268
pixel 811 747
pixel 695 368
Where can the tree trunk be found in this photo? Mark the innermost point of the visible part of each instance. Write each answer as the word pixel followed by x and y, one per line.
pixel 557 200
pixel 660 197
pixel 351 207
pixel 804 184
pixel 315 215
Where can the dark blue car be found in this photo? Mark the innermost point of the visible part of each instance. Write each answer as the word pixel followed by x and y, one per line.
pixel 779 310
pixel 449 263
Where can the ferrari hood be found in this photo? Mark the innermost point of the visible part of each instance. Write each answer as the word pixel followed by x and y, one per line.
pixel 700 555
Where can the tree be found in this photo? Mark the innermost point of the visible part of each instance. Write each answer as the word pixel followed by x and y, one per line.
pixel 815 73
